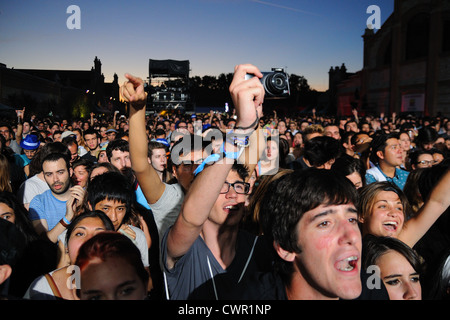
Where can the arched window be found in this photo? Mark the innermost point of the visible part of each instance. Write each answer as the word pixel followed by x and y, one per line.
pixel 417 36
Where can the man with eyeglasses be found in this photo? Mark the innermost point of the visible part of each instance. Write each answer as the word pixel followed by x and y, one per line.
pixel 387 155
pixel 204 253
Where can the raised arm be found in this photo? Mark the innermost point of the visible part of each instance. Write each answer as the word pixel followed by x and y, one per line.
pixel 248 96
pixel 20 115
pixel 434 206
pixel 149 181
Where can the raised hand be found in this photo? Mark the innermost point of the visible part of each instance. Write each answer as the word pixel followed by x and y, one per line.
pixel 247 95
pixel 133 91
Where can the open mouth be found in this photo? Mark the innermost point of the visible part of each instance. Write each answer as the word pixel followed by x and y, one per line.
pixel 390 225
pixel 347 264
pixel 232 207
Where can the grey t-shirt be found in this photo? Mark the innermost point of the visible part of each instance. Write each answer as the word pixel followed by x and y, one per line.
pixel 167 208
pixel 198 275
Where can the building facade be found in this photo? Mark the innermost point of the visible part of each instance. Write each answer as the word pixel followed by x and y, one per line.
pixel 406 65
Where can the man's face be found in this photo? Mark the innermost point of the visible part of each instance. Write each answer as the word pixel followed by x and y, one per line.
pixel 73 148
pixel 351 126
pixel 30 153
pixel 56 175
pixel 292 126
pixel 57 137
pixel 365 127
pixel 330 257
pixel 184 172
pixel 159 159
pixel 120 159
pixel 111 136
pixel 229 207
pixel 91 141
pixel 5 132
pixel 333 131
pixel 26 127
pixel 392 154
pixel 115 210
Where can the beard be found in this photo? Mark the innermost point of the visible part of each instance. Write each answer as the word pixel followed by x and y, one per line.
pixel 60 187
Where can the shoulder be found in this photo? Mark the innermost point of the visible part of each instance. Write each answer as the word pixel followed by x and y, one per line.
pixel 39 290
pixel 260 286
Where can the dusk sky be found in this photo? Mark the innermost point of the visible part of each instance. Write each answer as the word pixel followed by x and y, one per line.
pixel 304 36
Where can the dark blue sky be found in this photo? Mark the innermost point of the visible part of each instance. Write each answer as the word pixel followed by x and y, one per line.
pixel 305 36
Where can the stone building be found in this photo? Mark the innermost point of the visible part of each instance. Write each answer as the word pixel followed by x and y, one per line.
pixel 406 65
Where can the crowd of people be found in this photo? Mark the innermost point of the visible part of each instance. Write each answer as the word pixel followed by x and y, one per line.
pixel 238 205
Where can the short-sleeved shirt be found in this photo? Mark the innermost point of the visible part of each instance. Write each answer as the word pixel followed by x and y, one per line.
pixel 45 206
pixel 31 188
pixel 375 175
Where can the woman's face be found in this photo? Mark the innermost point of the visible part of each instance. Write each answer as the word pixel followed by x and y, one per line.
pixel 400 278
pixel 80 176
pixel 271 150
pixel 405 141
pixel 355 178
pixel 386 217
pixel 112 279
pixel 7 213
pixel 102 157
pixel 83 231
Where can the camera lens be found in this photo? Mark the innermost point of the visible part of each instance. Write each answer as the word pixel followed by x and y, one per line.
pixel 276 83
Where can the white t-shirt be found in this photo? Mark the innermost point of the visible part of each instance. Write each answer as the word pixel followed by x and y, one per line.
pixel 40 289
pixel 31 188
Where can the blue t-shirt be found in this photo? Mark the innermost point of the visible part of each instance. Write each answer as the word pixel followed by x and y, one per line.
pixel 140 198
pixel 399 178
pixel 46 206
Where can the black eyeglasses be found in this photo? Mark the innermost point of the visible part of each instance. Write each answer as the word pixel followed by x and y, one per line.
pixel 238 186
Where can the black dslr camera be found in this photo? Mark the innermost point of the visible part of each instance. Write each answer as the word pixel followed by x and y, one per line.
pixel 275 83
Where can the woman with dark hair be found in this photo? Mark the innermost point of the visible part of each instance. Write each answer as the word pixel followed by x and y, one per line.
pixel 400 266
pixel 54 285
pixel 352 168
pixel 111 269
pixel 38 251
pixel 426 138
